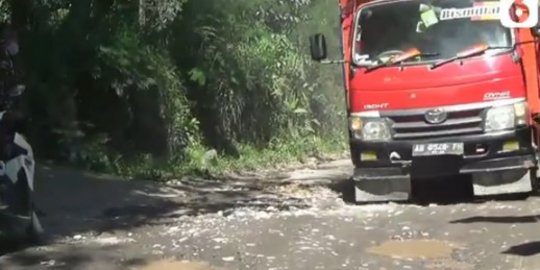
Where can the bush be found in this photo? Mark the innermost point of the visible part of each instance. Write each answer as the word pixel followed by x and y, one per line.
pixel 114 84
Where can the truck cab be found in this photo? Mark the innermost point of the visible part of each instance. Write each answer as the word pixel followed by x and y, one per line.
pixel 435 89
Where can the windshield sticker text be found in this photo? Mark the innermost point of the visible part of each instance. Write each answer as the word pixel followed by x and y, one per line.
pixel 479 12
pixel 429 17
pixel 363 59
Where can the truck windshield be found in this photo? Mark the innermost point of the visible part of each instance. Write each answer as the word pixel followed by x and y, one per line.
pixel 438 28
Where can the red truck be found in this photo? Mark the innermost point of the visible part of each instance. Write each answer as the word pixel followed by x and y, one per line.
pixel 437 88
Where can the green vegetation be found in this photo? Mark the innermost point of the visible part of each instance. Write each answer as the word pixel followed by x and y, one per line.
pixel 156 88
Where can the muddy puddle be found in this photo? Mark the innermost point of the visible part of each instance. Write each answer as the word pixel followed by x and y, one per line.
pixel 413 249
pixel 177 265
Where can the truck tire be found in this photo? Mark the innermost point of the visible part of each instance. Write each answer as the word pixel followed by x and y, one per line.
pixel 355 157
pixel 534 191
pixel 534 185
pixel 535 181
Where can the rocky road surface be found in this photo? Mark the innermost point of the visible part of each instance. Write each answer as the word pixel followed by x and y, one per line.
pixel 295 220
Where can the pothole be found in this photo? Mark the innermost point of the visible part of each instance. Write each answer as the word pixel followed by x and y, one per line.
pixel 177 265
pixel 414 249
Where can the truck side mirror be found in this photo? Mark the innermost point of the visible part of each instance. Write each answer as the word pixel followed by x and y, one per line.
pixel 535 30
pixel 317 45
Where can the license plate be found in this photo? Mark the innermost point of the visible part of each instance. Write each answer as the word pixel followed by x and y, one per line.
pixel 437 149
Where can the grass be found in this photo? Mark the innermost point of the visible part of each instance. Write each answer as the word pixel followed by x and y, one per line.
pixel 200 160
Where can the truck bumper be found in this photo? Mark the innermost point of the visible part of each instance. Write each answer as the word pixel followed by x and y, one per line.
pixel 499 163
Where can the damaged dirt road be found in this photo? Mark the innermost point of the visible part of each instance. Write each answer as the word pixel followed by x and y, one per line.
pixel 295 221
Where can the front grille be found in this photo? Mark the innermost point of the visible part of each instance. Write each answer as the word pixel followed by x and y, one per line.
pixel 412 125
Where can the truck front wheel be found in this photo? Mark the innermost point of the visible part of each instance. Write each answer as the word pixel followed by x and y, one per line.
pixel 355 156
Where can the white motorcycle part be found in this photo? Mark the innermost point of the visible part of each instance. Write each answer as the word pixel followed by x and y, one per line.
pixel 24 162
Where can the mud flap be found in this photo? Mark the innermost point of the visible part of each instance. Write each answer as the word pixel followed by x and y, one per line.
pixel 503 182
pixel 376 185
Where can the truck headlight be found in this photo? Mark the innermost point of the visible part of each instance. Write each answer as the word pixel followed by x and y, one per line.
pixel 370 129
pixel 506 117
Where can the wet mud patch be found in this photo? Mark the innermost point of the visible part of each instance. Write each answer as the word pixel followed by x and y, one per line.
pixel 449 264
pixel 433 254
pixel 424 249
pixel 177 265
